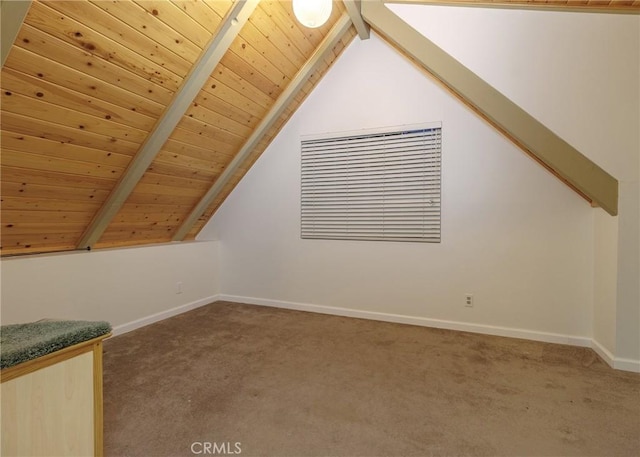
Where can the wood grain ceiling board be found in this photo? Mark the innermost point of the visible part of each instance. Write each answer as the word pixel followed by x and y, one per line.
pixel 82 87
pixel 258 66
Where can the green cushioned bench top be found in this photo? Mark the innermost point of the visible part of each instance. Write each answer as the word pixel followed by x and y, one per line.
pixel 23 342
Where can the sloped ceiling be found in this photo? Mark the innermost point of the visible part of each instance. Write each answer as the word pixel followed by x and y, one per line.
pixel 84 86
pixel 88 85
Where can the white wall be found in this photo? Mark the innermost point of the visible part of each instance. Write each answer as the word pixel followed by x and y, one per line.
pixel 533 253
pixel 117 285
pixel 605 280
pixel 512 234
pixel 579 74
pixel 575 72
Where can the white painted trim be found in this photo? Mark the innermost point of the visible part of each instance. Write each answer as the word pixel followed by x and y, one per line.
pixel 603 352
pixel 626 364
pixel 129 326
pixel 413 320
pixel 615 362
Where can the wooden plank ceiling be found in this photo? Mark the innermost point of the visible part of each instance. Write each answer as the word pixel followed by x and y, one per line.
pixel 86 82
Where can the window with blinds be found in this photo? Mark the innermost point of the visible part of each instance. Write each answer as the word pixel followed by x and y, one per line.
pixel 373 185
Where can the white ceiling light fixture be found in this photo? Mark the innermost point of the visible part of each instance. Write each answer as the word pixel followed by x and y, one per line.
pixel 312 13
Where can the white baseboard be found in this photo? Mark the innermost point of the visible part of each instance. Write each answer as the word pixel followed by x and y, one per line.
pixel 412 320
pixel 129 326
pixel 616 362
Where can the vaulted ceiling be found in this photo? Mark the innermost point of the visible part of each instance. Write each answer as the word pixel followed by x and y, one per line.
pixel 87 85
pixel 129 122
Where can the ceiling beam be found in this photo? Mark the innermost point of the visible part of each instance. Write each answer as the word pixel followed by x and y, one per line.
pixel 353 9
pixel 280 105
pixel 12 14
pixel 580 6
pixel 580 173
pixel 182 99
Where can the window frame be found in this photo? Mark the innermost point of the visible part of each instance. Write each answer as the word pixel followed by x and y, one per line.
pixel 391 211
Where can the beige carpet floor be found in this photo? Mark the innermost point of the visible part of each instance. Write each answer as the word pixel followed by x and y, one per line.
pixel 273 382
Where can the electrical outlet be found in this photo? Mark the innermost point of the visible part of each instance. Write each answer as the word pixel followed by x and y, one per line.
pixel 468 300
pixel 179 287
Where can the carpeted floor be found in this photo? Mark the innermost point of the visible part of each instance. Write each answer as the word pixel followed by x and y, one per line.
pixel 227 377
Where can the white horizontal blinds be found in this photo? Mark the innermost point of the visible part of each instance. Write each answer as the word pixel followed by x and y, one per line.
pixel 373 186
